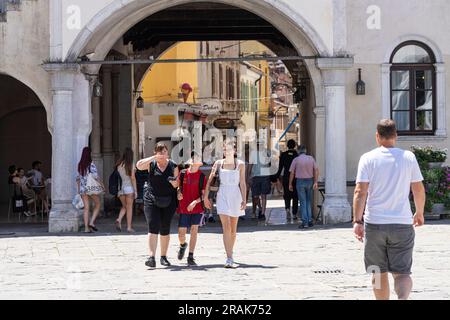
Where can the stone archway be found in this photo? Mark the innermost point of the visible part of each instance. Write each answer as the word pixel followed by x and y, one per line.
pixel 103 31
pixel 24 133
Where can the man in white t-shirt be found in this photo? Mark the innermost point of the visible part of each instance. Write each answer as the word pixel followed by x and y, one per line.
pixel 385 179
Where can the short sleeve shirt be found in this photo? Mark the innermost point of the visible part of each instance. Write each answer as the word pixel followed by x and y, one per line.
pixel 389 172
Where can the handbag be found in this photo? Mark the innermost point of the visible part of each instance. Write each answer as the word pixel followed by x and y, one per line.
pixel 77 202
pixel 163 202
pixel 93 187
pixel 215 181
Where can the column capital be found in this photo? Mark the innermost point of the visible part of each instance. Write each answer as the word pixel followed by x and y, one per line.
pixel 63 75
pixel 334 70
pixel 320 111
pixel 335 63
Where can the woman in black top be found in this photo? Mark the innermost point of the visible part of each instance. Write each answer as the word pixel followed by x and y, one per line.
pixel 160 200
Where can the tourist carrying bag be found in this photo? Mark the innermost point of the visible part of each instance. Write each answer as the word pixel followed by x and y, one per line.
pixel 160 201
pixel 215 182
pixel 93 187
pixel 115 182
pixel 77 202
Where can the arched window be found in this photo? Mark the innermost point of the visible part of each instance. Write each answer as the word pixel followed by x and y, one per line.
pixel 413 83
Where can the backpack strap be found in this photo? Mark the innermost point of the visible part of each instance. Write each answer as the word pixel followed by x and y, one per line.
pixel 182 174
pixel 201 183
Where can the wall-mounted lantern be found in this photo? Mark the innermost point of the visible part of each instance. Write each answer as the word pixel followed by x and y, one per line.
pixel 140 103
pixel 360 85
pixel 98 89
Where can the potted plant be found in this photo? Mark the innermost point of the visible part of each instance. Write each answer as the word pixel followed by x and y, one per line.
pixel 429 157
pixel 437 189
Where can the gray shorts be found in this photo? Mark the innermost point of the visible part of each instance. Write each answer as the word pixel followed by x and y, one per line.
pixel 261 186
pixel 389 248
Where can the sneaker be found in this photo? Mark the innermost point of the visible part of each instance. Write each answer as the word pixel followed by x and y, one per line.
pixel 27 214
pixel 164 262
pixel 311 225
pixel 229 264
pixel 302 226
pixel 288 214
pixel 191 262
pixel 151 262
pixel 182 251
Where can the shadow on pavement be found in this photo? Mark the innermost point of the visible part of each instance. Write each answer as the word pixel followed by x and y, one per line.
pixel 216 266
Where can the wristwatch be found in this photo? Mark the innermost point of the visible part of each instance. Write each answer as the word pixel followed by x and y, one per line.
pixel 358 222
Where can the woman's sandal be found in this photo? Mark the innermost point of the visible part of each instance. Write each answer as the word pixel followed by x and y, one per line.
pixel 118 226
pixel 93 228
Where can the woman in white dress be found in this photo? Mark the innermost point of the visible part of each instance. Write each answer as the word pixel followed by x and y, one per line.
pixel 128 192
pixel 231 201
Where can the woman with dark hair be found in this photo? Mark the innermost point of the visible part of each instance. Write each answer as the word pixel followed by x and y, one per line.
pixel 160 200
pixel 85 168
pixel 231 196
pixel 13 178
pixel 128 191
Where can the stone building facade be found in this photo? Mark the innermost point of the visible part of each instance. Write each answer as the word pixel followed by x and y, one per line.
pixel 402 48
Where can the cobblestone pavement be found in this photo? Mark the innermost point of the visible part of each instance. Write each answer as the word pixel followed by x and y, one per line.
pixel 276 262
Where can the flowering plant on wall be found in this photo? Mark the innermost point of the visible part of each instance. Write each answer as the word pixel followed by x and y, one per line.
pixel 436 186
pixel 436 180
pixel 428 155
pixel 447 198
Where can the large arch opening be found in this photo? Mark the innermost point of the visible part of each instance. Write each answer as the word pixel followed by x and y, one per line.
pixel 138 31
pixel 24 137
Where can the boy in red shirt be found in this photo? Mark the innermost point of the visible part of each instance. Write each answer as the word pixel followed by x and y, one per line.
pixel 192 184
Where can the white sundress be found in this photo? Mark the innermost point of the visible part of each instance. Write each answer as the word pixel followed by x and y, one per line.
pixel 229 197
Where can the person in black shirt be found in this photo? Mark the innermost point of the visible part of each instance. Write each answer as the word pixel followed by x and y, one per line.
pixel 286 159
pixel 160 200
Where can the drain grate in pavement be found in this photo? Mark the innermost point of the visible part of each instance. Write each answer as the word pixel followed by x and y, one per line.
pixel 328 271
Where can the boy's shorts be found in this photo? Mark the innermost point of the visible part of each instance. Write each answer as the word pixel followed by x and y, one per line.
pixel 189 220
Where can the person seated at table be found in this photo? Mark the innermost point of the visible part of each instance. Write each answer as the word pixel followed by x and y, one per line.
pixel 38 184
pixel 16 180
pixel 25 182
pixel 12 178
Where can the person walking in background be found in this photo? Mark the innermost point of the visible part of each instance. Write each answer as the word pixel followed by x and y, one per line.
pixel 160 200
pixel 231 201
pixel 191 192
pixel 87 168
pixel 384 182
pixel 284 166
pixel 260 183
pixel 305 170
pixel 128 191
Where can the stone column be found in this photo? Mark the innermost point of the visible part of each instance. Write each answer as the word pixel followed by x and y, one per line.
pixel 63 217
pixel 319 114
pixel 336 207
pixel 441 130
pixel 108 151
pixel 115 110
pixel 96 136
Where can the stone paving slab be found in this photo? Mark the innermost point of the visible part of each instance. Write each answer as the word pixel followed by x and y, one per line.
pixel 276 262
